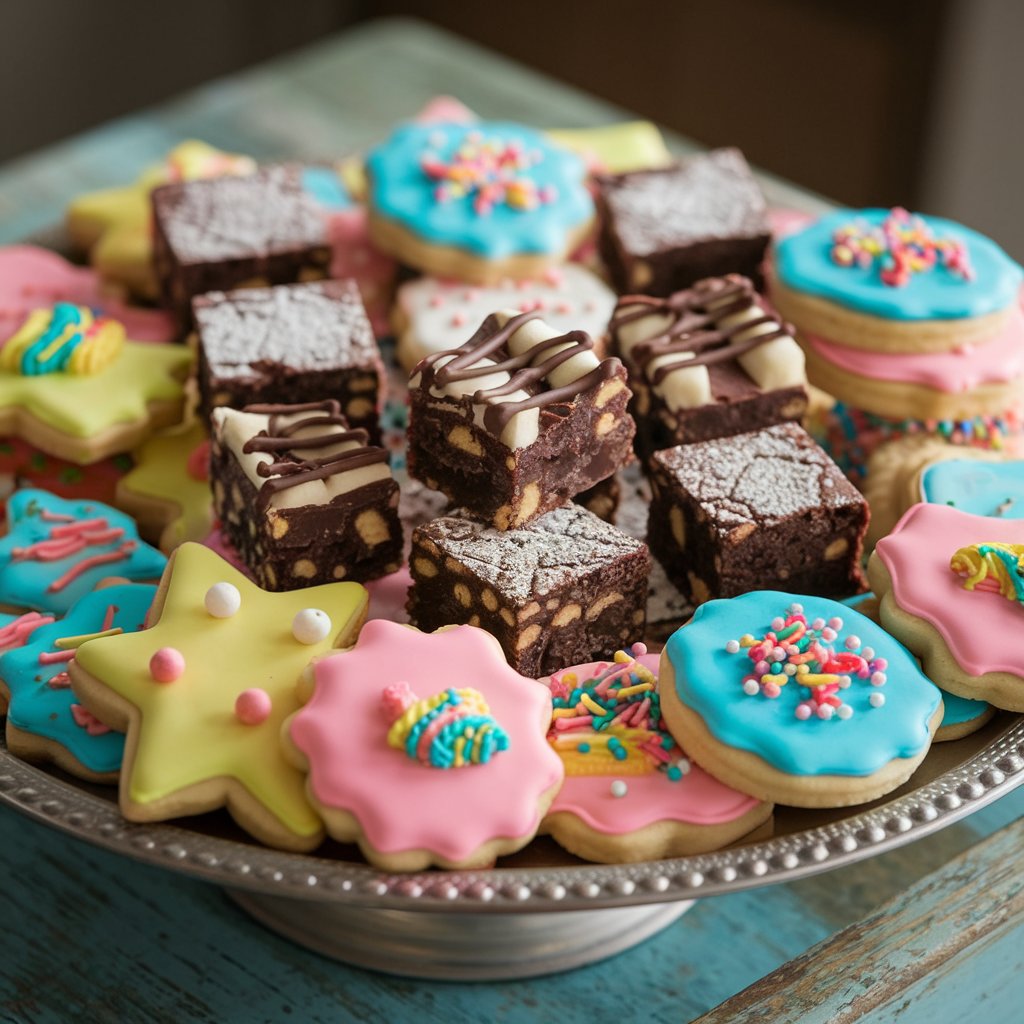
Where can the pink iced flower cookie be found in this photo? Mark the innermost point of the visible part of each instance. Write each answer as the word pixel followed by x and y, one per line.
pixel 950 586
pixel 630 792
pixel 425 748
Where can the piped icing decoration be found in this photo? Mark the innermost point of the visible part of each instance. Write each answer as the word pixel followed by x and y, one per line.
pixel 995 567
pixel 42 703
pixel 672 341
pixel 494 188
pixel 916 556
pixel 65 339
pixel 514 366
pixel 56 551
pixel 709 672
pixel 393 802
pixel 902 245
pixel 451 729
pixel 181 741
pixel 984 489
pixel 804 653
pixel 299 455
pixel 803 262
pixel 607 725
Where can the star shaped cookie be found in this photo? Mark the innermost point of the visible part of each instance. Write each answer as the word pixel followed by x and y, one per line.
pixel 202 695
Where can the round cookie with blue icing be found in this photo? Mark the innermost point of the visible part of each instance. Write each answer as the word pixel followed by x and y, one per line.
pixel 56 551
pixel 889 281
pixel 961 716
pixel 45 721
pixel 477 202
pixel 981 488
pixel 797 700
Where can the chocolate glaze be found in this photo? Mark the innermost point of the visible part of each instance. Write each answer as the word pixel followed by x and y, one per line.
pixel 279 438
pixel 476 358
pixel 695 329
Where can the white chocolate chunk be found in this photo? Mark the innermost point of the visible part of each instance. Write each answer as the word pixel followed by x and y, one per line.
pixel 773 365
pixel 684 387
pixel 536 332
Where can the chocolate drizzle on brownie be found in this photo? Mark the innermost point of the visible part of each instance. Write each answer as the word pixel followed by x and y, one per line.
pixel 486 353
pixel 280 439
pixel 695 329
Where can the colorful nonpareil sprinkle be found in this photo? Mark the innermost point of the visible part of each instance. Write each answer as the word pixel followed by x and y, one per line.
pixel 805 653
pixel 611 724
pixel 451 729
pixel 65 339
pixel 490 172
pixel 993 567
pixel 902 245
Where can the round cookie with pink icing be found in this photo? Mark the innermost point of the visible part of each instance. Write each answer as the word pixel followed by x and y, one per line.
pixel 426 749
pixel 951 585
pixel 630 792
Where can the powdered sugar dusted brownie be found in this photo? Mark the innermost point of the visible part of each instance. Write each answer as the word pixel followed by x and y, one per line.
pixel 304 499
pixel 566 586
pixel 290 344
pixel 518 420
pixel 758 511
pixel 664 229
pixel 265 228
pixel 708 361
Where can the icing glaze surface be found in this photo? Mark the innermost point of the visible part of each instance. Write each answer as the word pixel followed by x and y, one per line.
pixel 981 488
pixel 957 710
pixel 803 262
pixel 56 551
pixel 694 798
pixel 399 803
pixel 402 190
pixel 188 731
pixel 42 702
pixel 982 630
pixel 709 680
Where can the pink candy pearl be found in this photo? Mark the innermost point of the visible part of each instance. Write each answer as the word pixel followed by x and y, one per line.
pixel 803 712
pixel 167 665
pixel 771 690
pixel 878 679
pixel 253 706
pixel 852 642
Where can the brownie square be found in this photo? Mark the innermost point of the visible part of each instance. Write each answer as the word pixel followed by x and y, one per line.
pixel 565 589
pixel 267 228
pixel 290 344
pixel 664 229
pixel 603 499
pixel 303 498
pixel 768 510
pixel 518 420
pixel 708 361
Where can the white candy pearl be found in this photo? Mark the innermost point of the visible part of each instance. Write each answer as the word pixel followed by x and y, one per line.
pixel 222 600
pixel 311 625
pixel 732 646
pixel 619 788
pixel 750 688
pixel 877 699
pixel 844 711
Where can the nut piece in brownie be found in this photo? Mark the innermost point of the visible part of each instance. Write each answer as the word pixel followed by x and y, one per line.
pixel 266 228
pixel 518 420
pixel 303 498
pixel 603 499
pixel 709 361
pixel 290 344
pixel 768 510
pixel 565 589
pixel 664 229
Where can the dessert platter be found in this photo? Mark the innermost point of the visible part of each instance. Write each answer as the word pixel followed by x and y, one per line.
pixel 470 552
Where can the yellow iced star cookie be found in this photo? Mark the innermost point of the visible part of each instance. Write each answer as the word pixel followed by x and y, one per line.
pixel 113 223
pixel 615 148
pixel 168 490
pixel 72 386
pixel 203 692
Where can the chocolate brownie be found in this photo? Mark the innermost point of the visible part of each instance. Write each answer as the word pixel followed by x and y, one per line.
pixel 602 499
pixel 301 497
pixel 290 344
pixel 518 420
pixel 664 229
pixel 266 228
pixel 566 588
pixel 768 510
pixel 708 361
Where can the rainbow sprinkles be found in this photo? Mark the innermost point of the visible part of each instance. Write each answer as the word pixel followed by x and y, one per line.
pixel 994 567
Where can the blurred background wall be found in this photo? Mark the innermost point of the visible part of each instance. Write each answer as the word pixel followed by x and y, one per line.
pixel 866 101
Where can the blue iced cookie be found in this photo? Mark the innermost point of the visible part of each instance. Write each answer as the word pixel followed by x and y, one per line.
pixel 56 551
pixel 44 719
pixel 962 716
pixel 797 700
pixel 981 488
pixel 477 201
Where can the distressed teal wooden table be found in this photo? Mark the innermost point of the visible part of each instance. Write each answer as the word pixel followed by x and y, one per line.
pixel 94 937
